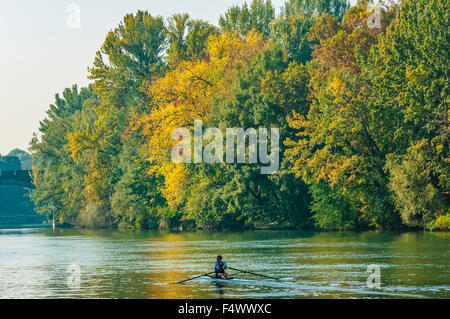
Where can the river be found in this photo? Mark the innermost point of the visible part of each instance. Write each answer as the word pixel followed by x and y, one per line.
pixel 68 263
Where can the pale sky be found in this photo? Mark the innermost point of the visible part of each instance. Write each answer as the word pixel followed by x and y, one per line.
pixel 40 55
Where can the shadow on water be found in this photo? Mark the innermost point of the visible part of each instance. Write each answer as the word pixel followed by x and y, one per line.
pixel 220 289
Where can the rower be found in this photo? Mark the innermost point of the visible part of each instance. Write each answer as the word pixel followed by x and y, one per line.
pixel 219 268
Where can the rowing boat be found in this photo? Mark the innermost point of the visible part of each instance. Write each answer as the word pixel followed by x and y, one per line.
pixel 215 279
pixel 231 279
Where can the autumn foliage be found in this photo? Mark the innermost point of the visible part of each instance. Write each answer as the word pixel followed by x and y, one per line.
pixel 362 112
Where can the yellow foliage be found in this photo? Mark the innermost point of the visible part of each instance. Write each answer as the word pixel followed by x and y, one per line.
pixel 75 146
pixel 443 222
pixel 176 177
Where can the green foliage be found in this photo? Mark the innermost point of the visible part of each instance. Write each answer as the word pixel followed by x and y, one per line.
pixel 342 138
pixel 134 53
pixel 336 8
pixel 58 178
pixel 256 17
pixel 188 38
pixel 362 112
pixel 291 28
pixel 417 180
pixel 332 211
pixel 411 78
pixel 137 199
pixel 239 195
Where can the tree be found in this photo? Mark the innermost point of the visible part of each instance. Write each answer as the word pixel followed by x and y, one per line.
pixel 134 52
pixel 59 179
pixel 410 73
pixel 238 195
pixel 291 28
pixel 185 95
pixel 362 113
pixel 188 39
pixel 417 180
pixel 343 141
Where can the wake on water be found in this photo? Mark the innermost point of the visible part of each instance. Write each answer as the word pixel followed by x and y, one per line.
pixel 283 283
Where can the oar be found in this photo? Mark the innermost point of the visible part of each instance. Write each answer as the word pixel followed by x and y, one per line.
pixel 205 274
pixel 252 273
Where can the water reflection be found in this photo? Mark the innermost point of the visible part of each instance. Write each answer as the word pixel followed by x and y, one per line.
pixel 33 263
pixel 220 288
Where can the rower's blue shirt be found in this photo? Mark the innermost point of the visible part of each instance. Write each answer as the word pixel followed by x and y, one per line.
pixel 217 266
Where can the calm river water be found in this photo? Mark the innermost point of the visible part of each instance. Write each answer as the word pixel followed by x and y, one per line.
pixel 42 263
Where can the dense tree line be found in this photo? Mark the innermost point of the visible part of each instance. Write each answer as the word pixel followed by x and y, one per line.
pixel 362 112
